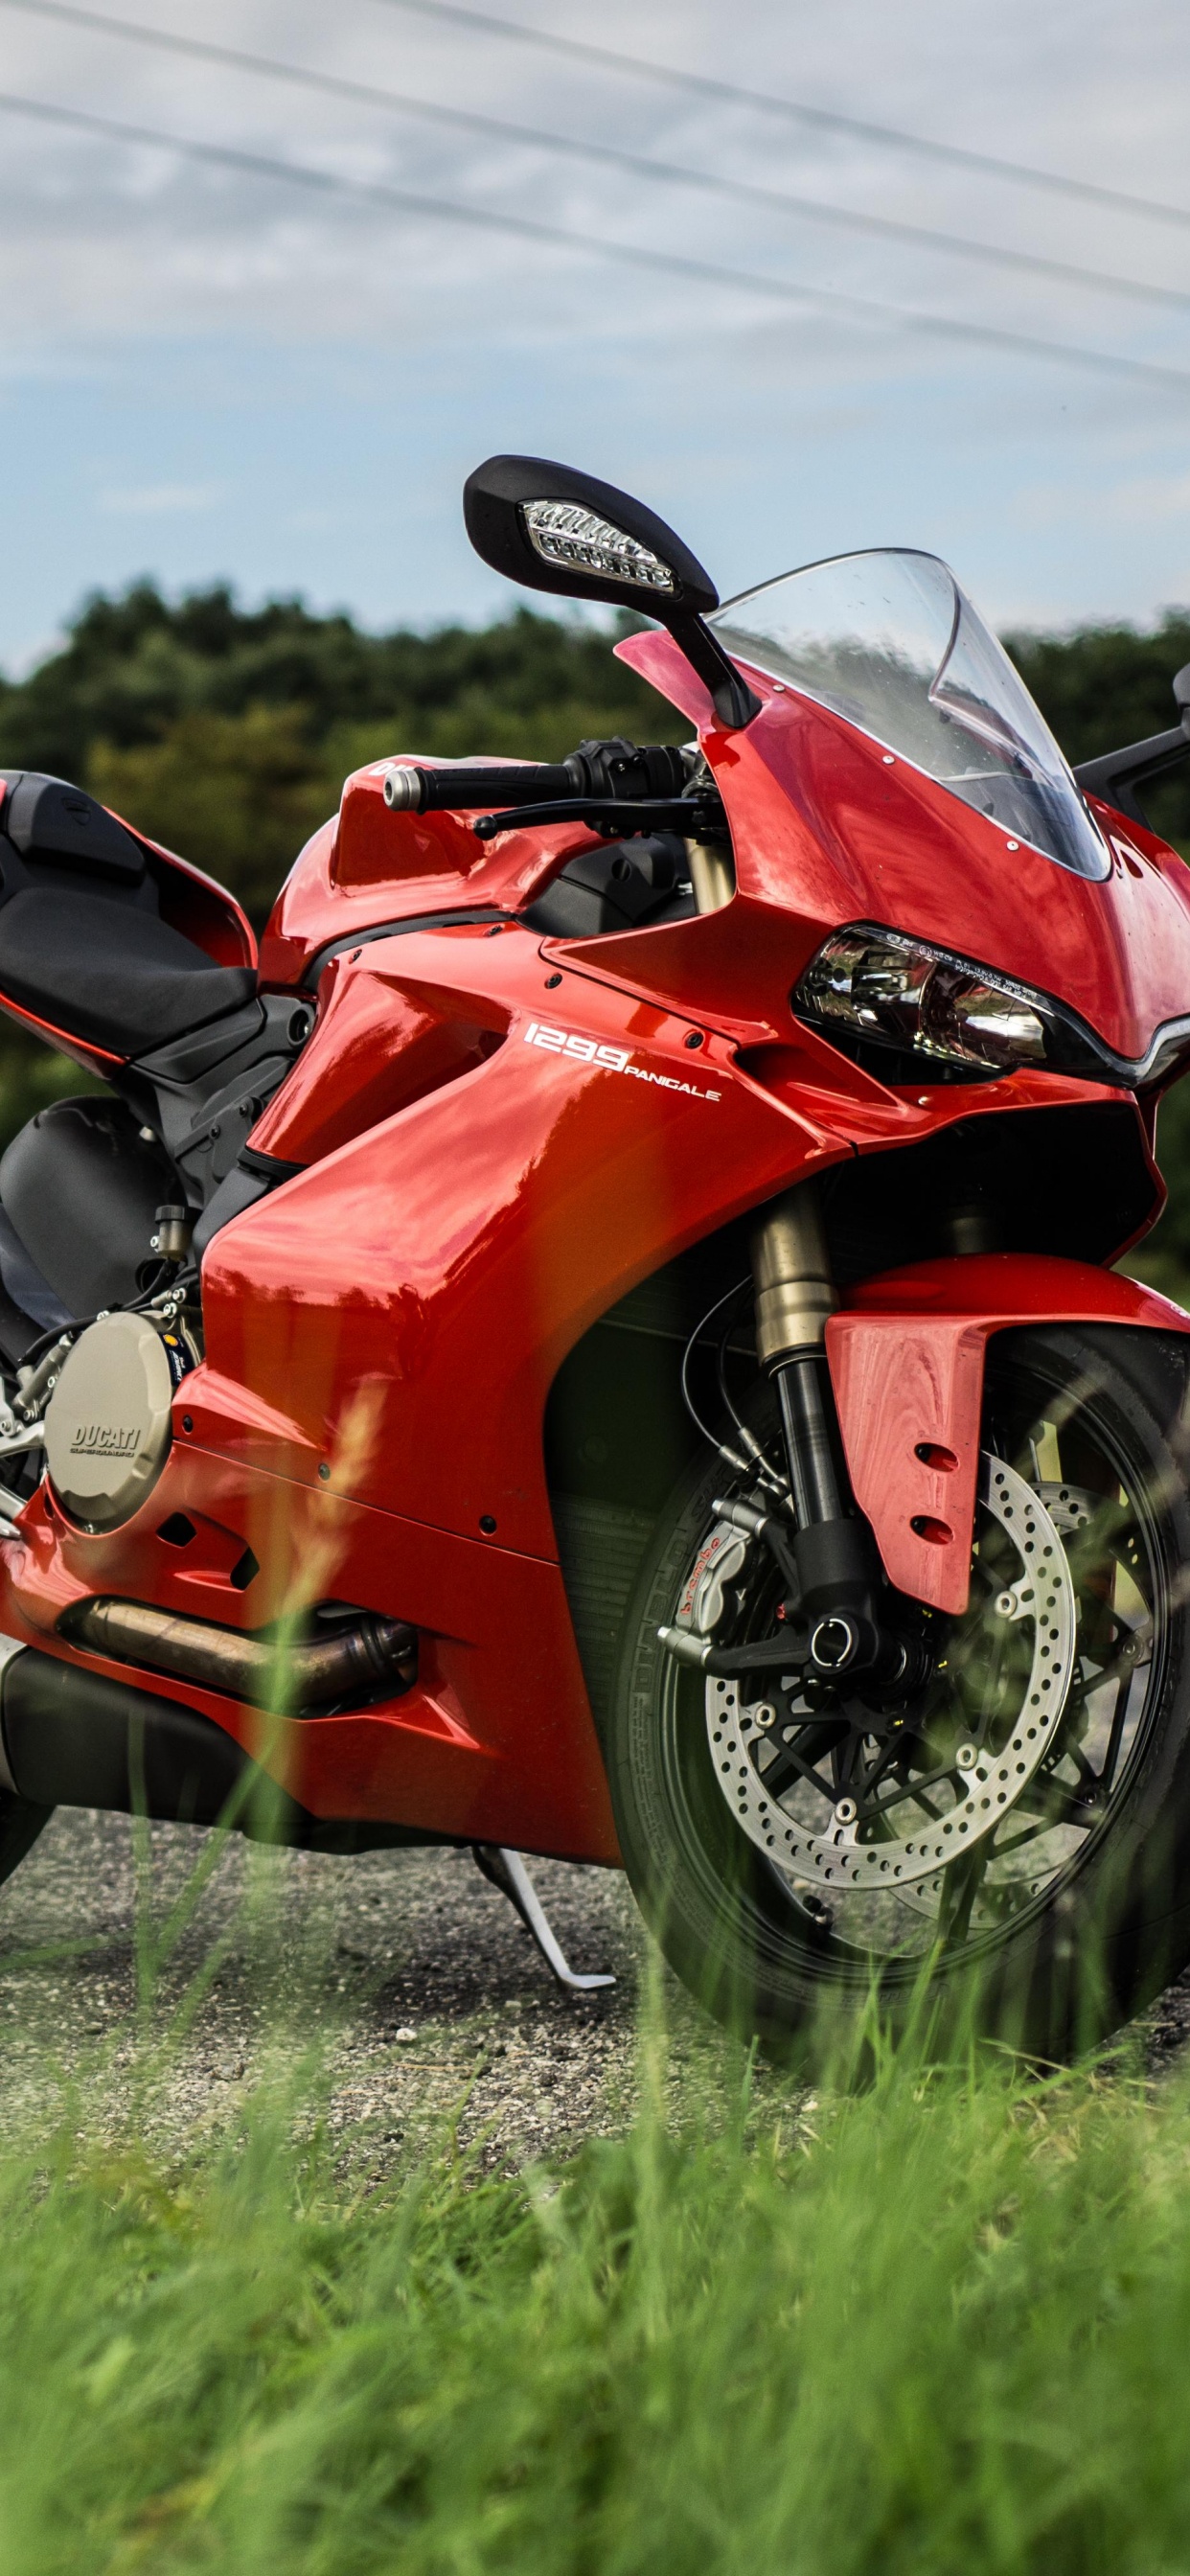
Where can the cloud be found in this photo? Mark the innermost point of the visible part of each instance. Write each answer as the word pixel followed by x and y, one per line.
pixel 1153 500
pixel 163 500
pixel 288 387
pixel 1142 501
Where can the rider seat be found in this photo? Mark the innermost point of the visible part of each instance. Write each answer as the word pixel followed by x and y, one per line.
pixel 82 942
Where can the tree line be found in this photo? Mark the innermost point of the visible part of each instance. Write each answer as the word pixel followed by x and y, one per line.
pixel 227 733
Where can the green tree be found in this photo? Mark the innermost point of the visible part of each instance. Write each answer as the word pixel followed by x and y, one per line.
pixel 1101 686
pixel 237 794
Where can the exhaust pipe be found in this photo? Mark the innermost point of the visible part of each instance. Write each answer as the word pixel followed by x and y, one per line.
pixel 349 1663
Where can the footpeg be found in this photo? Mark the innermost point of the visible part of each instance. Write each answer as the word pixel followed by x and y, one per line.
pixel 506 1870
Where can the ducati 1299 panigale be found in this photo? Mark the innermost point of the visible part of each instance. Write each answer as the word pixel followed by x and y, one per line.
pixel 602 1339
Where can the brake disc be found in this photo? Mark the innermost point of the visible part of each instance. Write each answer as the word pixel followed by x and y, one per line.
pixel 1043 1597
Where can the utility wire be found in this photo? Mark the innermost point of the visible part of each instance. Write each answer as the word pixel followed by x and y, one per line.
pixel 641 165
pixel 729 93
pixel 626 254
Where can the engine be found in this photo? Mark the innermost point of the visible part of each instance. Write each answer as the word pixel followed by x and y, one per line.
pixel 95 1328
pixel 107 1424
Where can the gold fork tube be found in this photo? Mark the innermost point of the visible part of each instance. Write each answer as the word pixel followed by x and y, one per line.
pixel 712 874
pixel 791 1271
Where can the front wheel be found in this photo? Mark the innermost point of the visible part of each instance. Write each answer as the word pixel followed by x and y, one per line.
pixel 1011 1841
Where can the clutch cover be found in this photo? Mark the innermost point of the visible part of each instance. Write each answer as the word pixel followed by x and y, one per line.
pixel 107 1426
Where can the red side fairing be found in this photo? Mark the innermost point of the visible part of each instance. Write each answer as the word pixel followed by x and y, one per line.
pixel 455 1252
pixel 494 1743
pixel 396 1314
pixel 383 1040
pixel 907 1360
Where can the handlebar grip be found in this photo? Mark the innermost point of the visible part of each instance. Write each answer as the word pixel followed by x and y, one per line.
pixel 415 790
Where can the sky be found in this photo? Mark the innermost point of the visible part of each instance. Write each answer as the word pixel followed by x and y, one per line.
pixel 210 371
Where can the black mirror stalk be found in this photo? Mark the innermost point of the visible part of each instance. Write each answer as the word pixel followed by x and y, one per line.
pixel 734 702
pixel 1116 775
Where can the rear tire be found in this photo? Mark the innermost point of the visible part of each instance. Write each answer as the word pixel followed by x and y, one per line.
pixel 1082 1913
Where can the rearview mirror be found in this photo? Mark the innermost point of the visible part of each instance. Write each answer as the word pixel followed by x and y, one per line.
pixel 552 528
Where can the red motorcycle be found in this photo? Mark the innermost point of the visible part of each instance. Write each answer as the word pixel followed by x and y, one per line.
pixel 602 1340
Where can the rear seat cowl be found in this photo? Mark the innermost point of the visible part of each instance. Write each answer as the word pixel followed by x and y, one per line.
pixel 47 818
pixel 82 944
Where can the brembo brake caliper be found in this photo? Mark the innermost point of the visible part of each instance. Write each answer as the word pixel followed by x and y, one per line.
pixel 718 1562
pixel 720 1559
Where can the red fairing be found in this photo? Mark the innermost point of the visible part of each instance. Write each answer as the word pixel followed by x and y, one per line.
pixel 907 1363
pixel 371 866
pixel 825 831
pixel 493 1135
pixel 495 1744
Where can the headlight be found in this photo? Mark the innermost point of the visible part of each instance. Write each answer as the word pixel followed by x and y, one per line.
pixel 901 993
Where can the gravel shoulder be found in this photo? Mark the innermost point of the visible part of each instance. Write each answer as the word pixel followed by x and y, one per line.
pixel 150 1978
pixel 412 1978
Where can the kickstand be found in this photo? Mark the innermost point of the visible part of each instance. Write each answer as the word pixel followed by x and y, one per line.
pixel 507 1871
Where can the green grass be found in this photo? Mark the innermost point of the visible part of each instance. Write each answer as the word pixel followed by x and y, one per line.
pixel 940 2325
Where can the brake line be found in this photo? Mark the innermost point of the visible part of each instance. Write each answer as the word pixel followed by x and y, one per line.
pixel 754 1463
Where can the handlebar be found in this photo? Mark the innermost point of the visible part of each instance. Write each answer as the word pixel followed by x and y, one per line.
pixel 615 769
pixel 431 791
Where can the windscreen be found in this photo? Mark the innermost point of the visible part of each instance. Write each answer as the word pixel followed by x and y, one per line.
pixel 888 640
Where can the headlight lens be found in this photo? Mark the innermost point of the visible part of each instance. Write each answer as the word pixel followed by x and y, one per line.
pixel 896 992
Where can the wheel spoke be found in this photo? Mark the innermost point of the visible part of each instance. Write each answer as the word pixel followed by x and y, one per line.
pixel 1044 1825
pixel 960 1887
pixel 915 1788
pixel 788 1765
pixel 1111 1758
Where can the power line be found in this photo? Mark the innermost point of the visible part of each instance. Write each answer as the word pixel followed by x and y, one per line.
pixel 669 263
pixel 829 119
pixel 640 164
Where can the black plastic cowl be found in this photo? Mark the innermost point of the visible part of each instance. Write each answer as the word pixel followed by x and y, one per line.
pixel 47 818
pixel 75 1739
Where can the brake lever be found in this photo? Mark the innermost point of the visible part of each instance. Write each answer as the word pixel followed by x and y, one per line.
pixel 698 818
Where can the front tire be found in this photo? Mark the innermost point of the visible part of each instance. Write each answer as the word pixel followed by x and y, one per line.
pixel 1075 1911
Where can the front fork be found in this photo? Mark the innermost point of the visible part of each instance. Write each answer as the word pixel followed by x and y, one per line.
pixel 834 1553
